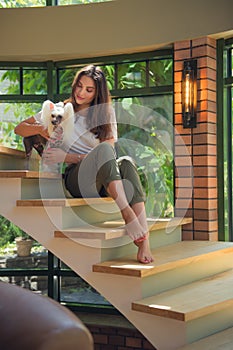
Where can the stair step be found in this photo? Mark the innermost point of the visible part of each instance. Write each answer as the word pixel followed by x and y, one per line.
pixel 14 153
pixel 29 174
pixel 62 202
pixel 103 231
pixel 115 229
pixel 191 301
pixel 222 340
pixel 166 258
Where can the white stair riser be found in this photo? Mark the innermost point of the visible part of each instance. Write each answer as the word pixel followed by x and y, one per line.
pixel 6 163
pixel 193 271
pixel 210 324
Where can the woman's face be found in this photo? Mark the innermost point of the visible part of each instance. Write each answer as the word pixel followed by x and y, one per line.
pixel 85 92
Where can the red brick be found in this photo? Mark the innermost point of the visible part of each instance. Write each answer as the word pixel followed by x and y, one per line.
pixel 187 235
pixel 182 44
pixel 207 84
pixel 182 140
pixel 204 214
pixel 207 94
pixel 204 160
pixel 205 203
pixel 205 225
pixel 178 66
pixel 201 236
pixel 116 340
pixel 183 204
pixel 206 182
pixel 206 116
pixel 134 342
pixel 183 182
pixel 100 338
pixel 205 193
pixel 204 41
pixel 204 150
pixel 213 236
pixel 206 73
pixel 182 54
pixel 204 62
pixel 178 77
pixel 206 105
pixel 204 139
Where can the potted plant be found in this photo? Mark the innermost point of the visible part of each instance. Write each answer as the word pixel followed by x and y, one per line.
pixel 23 245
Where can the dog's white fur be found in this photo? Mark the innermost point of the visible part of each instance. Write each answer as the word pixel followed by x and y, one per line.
pixel 50 111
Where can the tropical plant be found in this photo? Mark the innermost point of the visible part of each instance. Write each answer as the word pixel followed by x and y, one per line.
pixel 9 231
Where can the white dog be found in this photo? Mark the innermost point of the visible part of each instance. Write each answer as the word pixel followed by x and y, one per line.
pixel 59 121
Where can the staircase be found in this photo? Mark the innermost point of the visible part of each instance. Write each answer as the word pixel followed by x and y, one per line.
pixel 181 299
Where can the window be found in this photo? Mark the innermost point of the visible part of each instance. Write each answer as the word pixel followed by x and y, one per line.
pixel 142 93
pixel 225 136
pixel 38 3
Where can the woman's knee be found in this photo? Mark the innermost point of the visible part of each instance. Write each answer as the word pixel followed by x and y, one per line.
pixel 126 163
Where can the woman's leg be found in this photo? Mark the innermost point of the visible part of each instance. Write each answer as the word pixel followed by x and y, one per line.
pixel 144 253
pixel 135 219
pixel 121 181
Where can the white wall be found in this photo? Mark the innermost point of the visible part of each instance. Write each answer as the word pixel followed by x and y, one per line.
pixel 119 26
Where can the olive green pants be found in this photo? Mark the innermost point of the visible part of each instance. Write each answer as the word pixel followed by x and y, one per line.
pixel 91 177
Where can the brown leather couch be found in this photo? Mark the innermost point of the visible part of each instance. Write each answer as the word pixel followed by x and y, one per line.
pixel 33 322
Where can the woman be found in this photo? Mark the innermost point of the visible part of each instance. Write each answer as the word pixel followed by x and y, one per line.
pixel 92 165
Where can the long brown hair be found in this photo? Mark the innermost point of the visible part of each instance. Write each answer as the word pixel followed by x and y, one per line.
pixel 98 117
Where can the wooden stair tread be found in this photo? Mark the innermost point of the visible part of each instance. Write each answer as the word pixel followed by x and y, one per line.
pixel 99 231
pixel 166 258
pixel 62 202
pixel 110 230
pixel 191 301
pixel 11 152
pixel 221 340
pixel 29 174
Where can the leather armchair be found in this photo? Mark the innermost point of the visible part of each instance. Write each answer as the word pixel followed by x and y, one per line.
pixel 33 322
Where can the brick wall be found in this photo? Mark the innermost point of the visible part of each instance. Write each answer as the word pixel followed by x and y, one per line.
pixel 113 332
pixel 195 149
pixel 113 338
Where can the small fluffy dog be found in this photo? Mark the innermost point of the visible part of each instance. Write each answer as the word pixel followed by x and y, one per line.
pixel 59 121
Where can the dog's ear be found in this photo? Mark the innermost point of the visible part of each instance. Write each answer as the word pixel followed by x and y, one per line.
pixel 47 108
pixel 51 106
pixel 68 111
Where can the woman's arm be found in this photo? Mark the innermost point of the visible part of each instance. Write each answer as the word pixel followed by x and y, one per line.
pixel 30 127
pixel 57 155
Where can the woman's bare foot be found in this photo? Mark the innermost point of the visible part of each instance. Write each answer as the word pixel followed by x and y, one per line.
pixel 144 254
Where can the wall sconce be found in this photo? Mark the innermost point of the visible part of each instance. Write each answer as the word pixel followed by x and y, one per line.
pixel 189 94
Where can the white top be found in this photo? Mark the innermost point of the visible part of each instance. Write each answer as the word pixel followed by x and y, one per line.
pixel 82 140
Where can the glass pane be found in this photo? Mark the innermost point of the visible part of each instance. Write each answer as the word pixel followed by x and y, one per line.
pixel 21 3
pixel 132 75
pixel 76 290
pixel 160 72
pixel 34 81
pixel 109 71
pixel 232 62
pixel 146 134
pixel 9 81
pixel 37 284
pixel 65 79
pixel 10 115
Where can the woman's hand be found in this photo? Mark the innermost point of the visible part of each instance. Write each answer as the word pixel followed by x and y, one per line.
pixel 43 131
pixel 54 155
